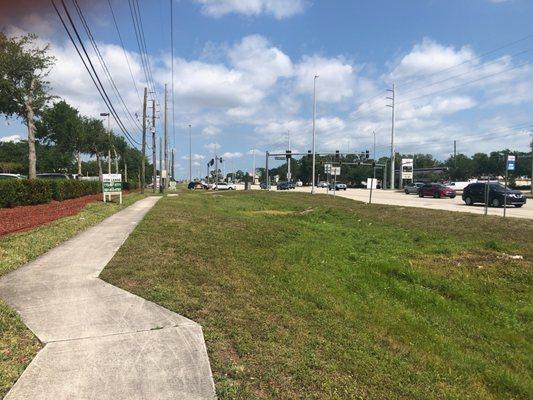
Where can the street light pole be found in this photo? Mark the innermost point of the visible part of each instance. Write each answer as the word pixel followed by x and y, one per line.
pixel 392 149
pixel 289 175
pixel 190 153
pixel 314 133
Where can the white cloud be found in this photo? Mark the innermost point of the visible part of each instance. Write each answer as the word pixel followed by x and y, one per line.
pixel 336 78
pixel 210 131
pixel 230 155
pixel 278 8
pixel 212 147
pixel 195 157
pixel 11 139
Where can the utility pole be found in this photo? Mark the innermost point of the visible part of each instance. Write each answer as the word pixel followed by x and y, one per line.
pixel 161 187
pixel 216 168
pixel 143 165
pixel 165 182
pixel 392 150
pixel 172 163
pixel 253 166
pixel 109 138
pixel 314 134
pixel 190 153
pixel 154 160
pixel 289 175
pixel 454 153
pixel 531 182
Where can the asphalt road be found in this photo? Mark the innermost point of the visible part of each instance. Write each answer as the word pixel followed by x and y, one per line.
pixel 401 199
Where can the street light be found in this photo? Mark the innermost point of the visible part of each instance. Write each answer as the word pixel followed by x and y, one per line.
pixel 109 148
pixel 190 153
pixel 314 133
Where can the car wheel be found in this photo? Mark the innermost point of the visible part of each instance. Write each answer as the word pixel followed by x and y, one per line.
pixel 452 197
pixel 420 194
pixel 406 191
pixel 495 203
pixel 436 195
pixel 468 201
pixel 518 205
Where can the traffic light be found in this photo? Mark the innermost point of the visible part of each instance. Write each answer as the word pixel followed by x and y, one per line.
pixel 288 154
pixel 220 160
pixel 367 154
pixel 337 155
pixel 309 153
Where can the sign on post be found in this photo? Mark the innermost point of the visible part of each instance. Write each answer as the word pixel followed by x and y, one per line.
pixel 335 171
pixel 407 168
pixel 511 163
pixel 327 168
pixel 112 186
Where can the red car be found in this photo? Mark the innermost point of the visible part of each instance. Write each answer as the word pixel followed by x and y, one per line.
pixel 436 190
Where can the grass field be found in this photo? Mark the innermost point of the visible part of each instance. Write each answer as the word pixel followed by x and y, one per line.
pixel 321 298
pixel 18 345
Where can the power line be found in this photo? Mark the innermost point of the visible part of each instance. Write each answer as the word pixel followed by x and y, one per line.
pixel 104 65
pixel 92 71
pixel 124 51
pixel 425 76
pixel 172 71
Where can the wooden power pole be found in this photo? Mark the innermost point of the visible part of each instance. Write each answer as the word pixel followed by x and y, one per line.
pixel 143 165
pixel 154 159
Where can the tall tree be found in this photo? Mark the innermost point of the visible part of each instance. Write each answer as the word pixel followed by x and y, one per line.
pixel 62 125
pixel 24 66
pixel 97 140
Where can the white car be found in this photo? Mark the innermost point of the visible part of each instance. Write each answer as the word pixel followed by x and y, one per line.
pixel 299 183
pixel 323 184
pixel 225 186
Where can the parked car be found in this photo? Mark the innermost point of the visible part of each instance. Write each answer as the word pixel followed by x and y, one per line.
pixel 196 186
pixel 224 186
pixel 285 186
pixel 52 175
pixel 412 188
pixel 323 184
pixel 11 176
pixel 475 193
pixel 436 190
pixel 299 183
pixel 263 185
pixel 337 186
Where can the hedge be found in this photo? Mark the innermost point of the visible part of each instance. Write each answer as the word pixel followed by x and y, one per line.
pixel 25 192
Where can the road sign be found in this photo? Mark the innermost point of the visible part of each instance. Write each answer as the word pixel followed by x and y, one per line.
pixel 511 163
pixel 407 168
pixel 327 168
pixel 335 171
pixel 280 158
pixel 112 185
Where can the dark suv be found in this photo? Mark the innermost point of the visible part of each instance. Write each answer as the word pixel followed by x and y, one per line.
pixel 475 193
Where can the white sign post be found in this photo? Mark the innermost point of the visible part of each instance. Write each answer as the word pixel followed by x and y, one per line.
pixel 112 186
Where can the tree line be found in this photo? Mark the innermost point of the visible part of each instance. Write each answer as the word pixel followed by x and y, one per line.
pixel 57 134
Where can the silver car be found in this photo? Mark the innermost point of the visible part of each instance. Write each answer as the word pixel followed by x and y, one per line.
pixel 412 188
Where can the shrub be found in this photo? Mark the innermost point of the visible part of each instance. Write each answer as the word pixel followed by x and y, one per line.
pixel 24 192
pixel 70 189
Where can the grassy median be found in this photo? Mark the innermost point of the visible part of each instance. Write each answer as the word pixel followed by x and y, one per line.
pixel 322 298
pixel 18 345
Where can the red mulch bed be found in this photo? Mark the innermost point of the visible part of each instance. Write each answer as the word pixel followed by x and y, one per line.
pixel 28 217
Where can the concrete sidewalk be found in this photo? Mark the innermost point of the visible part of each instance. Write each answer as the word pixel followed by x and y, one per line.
pixel 102 342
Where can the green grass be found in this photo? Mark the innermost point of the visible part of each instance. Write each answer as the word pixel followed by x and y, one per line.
pixel 18 345
pixel 321 298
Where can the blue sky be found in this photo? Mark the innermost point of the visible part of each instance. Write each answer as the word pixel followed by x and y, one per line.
pixel 244 72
